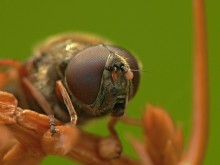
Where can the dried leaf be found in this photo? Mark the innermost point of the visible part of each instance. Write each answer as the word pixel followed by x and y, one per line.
pixel 163 141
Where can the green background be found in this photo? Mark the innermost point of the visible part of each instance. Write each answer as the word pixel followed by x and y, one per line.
pixel 158 32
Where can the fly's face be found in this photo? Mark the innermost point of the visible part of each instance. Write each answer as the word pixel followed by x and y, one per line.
pixel 116 83
pixel 101 81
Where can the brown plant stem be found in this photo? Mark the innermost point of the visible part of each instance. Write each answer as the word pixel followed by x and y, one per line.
pixel 198 141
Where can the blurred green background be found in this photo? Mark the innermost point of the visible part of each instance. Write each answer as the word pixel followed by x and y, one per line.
pixel 158 32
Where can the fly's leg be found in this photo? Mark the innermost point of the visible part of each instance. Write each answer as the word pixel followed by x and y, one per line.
pixel 111 126
pixel 13 72
pixel 35 93
pixel 64 96
pixel 110 147
pixel 7 76
pixel 11 63
pixel 4 79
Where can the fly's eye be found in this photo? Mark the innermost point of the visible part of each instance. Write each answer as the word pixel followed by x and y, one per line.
pixel 133 63
pixel 84 73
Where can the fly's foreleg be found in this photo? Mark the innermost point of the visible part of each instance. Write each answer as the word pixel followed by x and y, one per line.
pixel 11 73
pixel 64 96
pixel 42 102
pixel 110 147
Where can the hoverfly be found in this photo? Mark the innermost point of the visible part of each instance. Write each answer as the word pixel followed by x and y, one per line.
pixel 76 77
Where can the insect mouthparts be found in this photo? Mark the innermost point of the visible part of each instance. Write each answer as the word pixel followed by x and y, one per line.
pixel 118 109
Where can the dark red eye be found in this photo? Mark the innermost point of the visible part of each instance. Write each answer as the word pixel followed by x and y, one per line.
pixel 84 73
pixel 133 63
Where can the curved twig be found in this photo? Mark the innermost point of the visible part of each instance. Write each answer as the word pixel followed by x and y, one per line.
pixel 198 141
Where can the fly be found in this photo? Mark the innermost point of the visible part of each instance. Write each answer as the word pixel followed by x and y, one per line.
pixel 76 77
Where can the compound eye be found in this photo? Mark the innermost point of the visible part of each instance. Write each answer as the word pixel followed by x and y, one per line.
pixel 84 73
pixel 133 63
